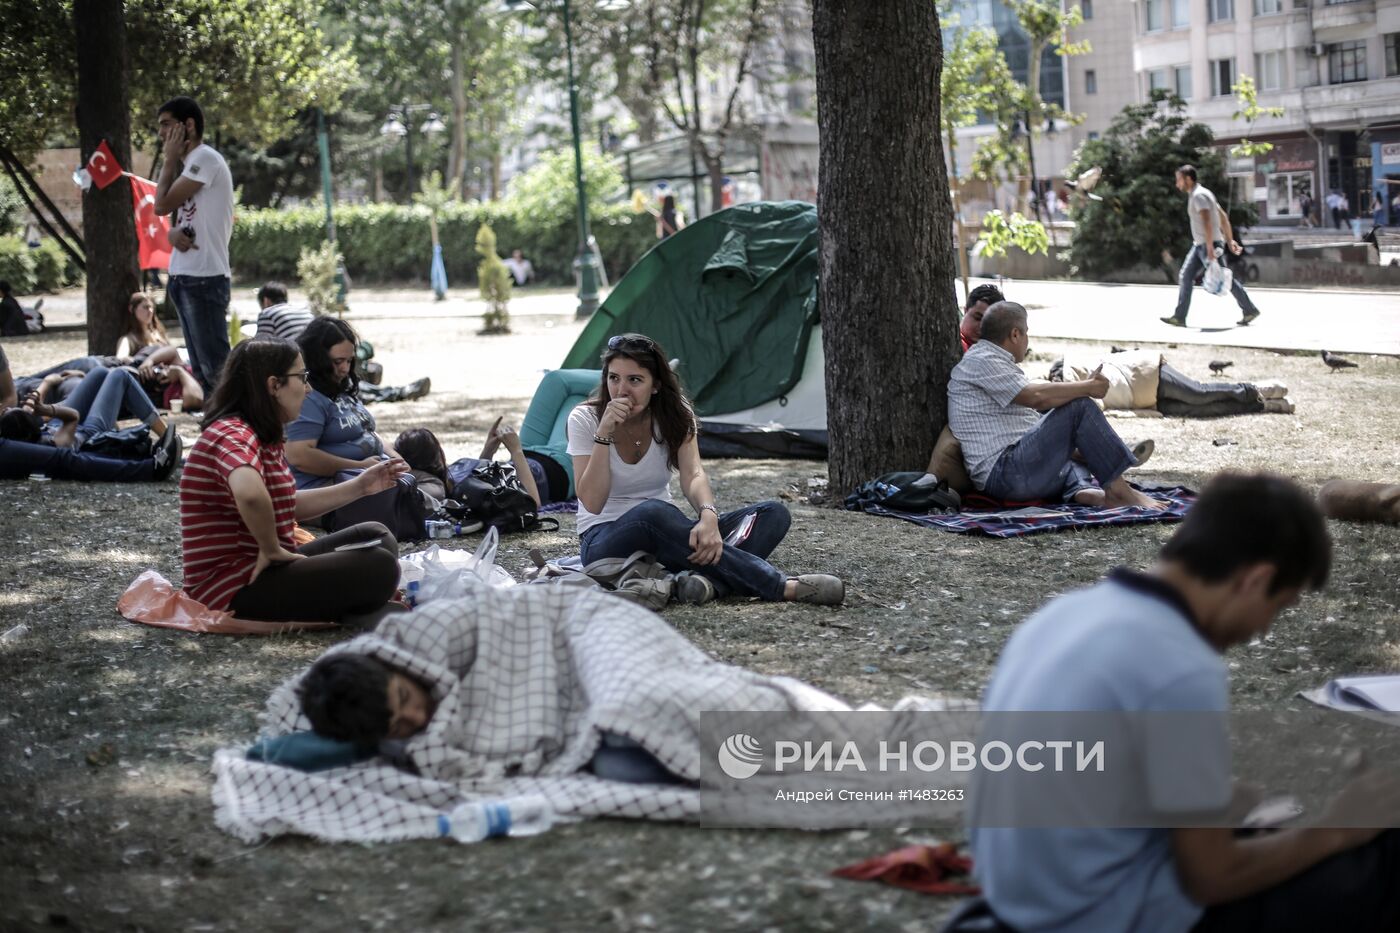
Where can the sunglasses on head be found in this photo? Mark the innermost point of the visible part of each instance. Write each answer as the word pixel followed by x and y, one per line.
pixel 621 340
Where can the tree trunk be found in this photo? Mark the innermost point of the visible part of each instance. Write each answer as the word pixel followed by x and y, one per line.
pixel 103 112
pixel 458 153
pixel 887 297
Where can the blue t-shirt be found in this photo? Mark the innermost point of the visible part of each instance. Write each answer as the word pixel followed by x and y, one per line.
pixel 1127 643
pixel 341 426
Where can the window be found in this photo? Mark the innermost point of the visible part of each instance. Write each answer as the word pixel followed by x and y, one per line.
pixel 1156 79
pixel 1181 81
pixel 1181 13
pixel 1267 7
pixel 1093 135
pixel 1086 7
pixel 1286 191
pixel 1222 77
pixel 1091 82
pixel 1268 71
pixel 1221 10
pixel 1153 19
pixel 1346 62
pixel 1392 55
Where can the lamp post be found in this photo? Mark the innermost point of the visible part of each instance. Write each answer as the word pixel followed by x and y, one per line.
pixel 399 124
pixel 586 263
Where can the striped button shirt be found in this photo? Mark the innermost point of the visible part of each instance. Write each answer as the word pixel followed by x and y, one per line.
pixel 980 410
pixel 219 551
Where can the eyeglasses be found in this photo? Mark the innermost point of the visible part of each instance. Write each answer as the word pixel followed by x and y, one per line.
pixel 304 376
pixel 615 343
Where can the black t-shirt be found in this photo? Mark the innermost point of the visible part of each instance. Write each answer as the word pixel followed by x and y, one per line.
pixel 12 318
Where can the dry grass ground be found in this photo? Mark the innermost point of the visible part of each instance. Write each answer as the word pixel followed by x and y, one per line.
pixel 106 728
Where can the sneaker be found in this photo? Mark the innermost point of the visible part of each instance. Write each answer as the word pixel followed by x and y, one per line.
pixel 167 453
pixel 693 588
pixel 1174 321
pixel 1248 316
pixel 821 589
pixel 1268 390
pixel 417 389
pixel 1279 406
pixel 1142 451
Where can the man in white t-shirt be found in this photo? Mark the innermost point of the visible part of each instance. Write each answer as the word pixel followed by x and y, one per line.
pixel 1209 232
pixel 195 186
pixel 520 268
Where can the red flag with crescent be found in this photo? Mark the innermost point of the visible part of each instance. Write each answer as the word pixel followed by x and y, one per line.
pixel 102 166
pixel 152 229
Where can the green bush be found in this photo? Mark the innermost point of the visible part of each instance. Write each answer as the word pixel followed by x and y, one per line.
pixel 495 283
pixel 52 267
pixel 12 206
pixel 316 270
pixel 17 265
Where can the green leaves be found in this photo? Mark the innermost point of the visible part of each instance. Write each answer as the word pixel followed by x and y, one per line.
pixel 1000 233
pixel 1247 97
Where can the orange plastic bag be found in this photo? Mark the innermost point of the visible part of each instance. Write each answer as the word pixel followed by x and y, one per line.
pixel 153 600
pixel 928 869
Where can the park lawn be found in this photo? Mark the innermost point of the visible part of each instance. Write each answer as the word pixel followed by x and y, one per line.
pixel 107 729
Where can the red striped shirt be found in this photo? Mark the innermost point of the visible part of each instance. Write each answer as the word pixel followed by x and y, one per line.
pixel 219 551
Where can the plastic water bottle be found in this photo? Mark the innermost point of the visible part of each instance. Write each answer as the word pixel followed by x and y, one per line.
pixel 411 593
pixel 481 819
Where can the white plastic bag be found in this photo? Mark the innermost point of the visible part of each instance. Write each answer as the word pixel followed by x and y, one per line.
pixel 453 574
pixel 1218 278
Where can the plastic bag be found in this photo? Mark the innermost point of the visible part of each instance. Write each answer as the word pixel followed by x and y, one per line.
pixel 454 574
pixel 153 600
pixel 1218 278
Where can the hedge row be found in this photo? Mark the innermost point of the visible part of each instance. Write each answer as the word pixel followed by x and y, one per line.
pixel 392 243
pixel 45 268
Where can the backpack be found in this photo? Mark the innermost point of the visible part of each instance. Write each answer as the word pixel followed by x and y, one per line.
pixel 133 443
pixel 491 493
pixel 897 491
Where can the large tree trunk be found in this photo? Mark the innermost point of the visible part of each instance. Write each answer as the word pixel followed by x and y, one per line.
pixel 887 298
pixel 456 156
pixel 109 225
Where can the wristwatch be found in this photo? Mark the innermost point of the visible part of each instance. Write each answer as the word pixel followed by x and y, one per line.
pixel 709 507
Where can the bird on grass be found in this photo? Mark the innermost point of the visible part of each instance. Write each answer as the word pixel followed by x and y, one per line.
pixel 1219 366
pixel 1337 362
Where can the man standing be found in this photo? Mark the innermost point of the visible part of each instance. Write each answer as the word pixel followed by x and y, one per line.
pixel 1206 237
pixel 196 187
pixel 1012 451
pixel 1333 202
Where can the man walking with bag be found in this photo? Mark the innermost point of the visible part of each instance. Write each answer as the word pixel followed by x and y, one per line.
pixel 1206 236
pixel 196 187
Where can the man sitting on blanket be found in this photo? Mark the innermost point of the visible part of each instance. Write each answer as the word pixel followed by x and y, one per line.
pixel 1015 453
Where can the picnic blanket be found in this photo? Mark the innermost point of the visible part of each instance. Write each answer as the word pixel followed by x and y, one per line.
pixel 983 516
pixel 525 679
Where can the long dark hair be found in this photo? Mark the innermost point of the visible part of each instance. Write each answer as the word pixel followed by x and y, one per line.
pixel 140 336
pixel 420 449
pixel 672 416
pixel 316 342
pixel 18 424
pixel 242 391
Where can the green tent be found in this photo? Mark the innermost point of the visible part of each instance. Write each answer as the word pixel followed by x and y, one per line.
pixel 733 296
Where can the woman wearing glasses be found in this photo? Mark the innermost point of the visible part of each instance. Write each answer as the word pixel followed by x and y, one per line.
pixel 634 432
pixel 239 505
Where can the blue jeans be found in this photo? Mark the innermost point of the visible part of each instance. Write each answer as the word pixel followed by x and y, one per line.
pixel 100 398
pixel 202 303
pixel 1038 466
pixel 1186 280
pixel 662 530
pixel 83 364
pixel 1180 395
pixel 18 460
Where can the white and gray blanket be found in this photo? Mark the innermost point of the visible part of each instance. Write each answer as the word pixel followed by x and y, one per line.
pixel 525 680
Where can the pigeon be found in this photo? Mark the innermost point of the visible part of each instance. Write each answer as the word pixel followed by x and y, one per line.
pixel 1086 181
pixel 1337 362
pixel 1219 366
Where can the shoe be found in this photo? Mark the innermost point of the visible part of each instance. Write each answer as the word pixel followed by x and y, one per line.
pixel 820 589
pixel 416 389
pixel 1248 316
pixel 1268 390
pixel 1174 321
pixel 167 453
pixel 1279 406
pixel 1142 451
pixel 693 588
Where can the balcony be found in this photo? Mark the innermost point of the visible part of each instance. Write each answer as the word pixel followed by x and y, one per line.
pixel 1338 22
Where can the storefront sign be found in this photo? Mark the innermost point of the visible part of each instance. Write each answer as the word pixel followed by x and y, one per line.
pixel 1390 153
pixel 1302 166
pixel 1240 165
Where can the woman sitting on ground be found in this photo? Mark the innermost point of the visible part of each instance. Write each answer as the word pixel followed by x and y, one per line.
pixel 626 440
pixel 421 450
pixel 93 409
pixel 156 363
pixel 334 435
pixel 239 505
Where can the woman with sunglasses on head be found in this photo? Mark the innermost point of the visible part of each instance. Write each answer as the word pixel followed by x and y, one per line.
pixel 239 505
pixel 626 441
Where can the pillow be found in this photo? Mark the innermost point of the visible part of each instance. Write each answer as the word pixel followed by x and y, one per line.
pixel 1352 500
pixel 947 463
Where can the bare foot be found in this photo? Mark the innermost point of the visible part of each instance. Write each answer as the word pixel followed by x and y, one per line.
pixel 1093 497
pixel 1119 494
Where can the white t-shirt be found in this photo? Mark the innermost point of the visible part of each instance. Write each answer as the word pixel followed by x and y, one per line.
pixel 632 483
pixel 520 269
pixel 209 211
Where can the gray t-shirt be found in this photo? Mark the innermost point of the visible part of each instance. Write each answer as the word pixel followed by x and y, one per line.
pixel 1201 199
pixel 980 411
pixel 342 427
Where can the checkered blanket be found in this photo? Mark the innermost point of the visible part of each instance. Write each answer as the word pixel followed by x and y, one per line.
pixel 525 679
pixel 983 516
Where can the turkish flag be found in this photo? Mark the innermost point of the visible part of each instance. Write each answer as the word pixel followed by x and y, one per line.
pixel 151 228
pixel 102 166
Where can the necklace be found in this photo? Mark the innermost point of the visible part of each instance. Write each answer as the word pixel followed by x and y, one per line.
pixel 637 444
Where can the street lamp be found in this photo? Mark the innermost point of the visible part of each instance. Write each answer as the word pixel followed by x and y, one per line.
pixel 397 125
pixel 586 263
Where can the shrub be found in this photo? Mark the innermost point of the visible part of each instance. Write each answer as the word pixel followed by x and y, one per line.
pixel 51 266
pixel 495 282
pixel 316 268
pixel 17 265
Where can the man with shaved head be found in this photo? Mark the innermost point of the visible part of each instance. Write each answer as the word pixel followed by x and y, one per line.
pixel 1018 436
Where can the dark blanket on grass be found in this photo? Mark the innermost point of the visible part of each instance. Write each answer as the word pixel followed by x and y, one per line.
pixel 983 516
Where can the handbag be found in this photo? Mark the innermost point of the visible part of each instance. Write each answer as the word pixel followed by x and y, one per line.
pixel 491 494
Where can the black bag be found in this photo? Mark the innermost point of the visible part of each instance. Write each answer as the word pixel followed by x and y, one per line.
pixel 491 493
pixel 133 443
pixel 897 491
